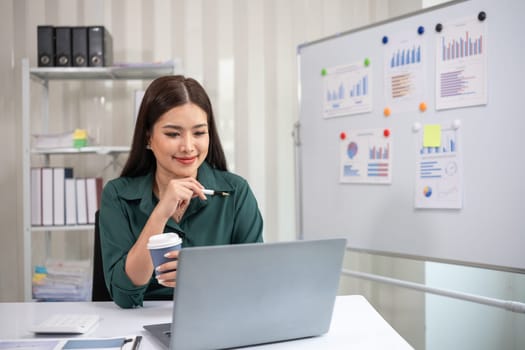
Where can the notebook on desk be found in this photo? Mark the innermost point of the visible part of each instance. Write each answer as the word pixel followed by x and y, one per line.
pixel 239 295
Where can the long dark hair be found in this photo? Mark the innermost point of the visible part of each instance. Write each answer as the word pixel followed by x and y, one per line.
pixel 163 94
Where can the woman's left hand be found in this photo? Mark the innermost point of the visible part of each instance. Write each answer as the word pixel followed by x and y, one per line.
pixel 167 272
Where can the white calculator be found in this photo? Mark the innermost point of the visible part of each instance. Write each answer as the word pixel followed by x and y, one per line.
pixel 67 324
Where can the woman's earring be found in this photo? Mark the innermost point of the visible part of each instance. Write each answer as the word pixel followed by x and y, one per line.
pixel 148 146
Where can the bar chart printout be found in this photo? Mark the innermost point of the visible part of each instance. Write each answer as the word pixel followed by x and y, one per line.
pixel 404 67
pixel 461 68
pixel 439 173
pixel 365 157
pixel 347 90
pixel 406 56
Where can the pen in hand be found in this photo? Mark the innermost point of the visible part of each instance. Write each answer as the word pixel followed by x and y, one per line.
pixel 215 193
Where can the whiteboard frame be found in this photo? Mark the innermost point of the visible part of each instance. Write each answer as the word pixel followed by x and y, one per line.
pixel 299 155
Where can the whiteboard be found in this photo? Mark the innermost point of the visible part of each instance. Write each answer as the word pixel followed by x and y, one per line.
pixel 485 225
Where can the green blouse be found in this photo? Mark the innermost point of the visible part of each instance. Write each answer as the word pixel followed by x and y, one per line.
pixel 127 203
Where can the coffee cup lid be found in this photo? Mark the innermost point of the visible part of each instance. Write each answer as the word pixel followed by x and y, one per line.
pixel 164 240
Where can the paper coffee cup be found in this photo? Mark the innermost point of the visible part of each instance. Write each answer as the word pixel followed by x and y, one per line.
pixel 160 244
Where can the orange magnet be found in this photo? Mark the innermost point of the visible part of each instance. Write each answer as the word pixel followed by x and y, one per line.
pixel 422 106
pixel 342 135
pixel 386 133
pixel 387 112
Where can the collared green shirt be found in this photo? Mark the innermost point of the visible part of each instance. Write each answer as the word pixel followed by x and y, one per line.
pixel 127 203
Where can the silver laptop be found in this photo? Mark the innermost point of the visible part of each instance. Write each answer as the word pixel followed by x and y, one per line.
pixel 239 295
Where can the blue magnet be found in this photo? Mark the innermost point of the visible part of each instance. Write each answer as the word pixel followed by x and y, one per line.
pixel 385 39
pixel 420 30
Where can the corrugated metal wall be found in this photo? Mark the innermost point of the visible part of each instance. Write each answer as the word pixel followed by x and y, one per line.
pixel 244 53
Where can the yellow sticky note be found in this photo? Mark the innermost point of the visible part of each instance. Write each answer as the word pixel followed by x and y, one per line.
pixel 432 135
pixel 79 134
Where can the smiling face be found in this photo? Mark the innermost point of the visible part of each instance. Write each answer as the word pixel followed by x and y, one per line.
pixel 179 141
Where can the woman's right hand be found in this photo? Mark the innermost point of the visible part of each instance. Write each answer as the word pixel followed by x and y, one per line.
pixel 177 194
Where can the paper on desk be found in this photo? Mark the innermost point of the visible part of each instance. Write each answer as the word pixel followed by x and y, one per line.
pixel 30 344
pixel 120 343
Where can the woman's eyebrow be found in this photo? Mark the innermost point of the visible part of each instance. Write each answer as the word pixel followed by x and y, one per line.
pixel 178 127
pixel 171 126
pixel 203 125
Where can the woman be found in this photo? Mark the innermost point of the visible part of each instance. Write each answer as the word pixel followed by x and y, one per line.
pixel 175 154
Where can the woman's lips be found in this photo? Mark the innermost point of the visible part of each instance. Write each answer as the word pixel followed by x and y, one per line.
pixel 186 161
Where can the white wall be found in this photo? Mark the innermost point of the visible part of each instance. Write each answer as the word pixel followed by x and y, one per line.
pixel 470 325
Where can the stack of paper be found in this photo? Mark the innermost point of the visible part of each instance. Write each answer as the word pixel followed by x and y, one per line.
pixel 62 140
pixel 63 281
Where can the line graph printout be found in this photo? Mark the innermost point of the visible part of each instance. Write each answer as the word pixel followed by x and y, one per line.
pixel 439 172
pixel 461 65
pixel 347 90
pixel 366 156
pixel 404 67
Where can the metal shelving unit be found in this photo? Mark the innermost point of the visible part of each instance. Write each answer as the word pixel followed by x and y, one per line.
pixel 124 72
pixel 102 150
pixel 43 75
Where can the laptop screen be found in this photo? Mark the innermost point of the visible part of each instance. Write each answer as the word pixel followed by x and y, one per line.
pixel 238 295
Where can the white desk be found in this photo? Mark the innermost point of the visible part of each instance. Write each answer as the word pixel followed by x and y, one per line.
pixel 355 324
